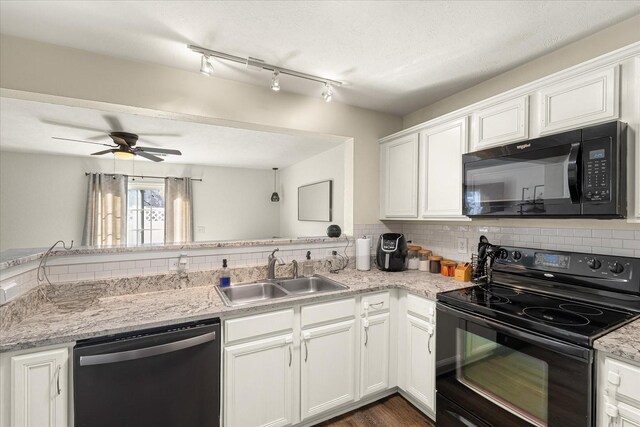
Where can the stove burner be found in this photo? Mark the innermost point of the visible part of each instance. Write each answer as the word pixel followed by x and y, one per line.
pixel 584 310
pixel 487 297
pixel 503 292
pixel 556 316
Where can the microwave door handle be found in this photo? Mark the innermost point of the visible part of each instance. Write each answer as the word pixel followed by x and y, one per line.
pixel 573 178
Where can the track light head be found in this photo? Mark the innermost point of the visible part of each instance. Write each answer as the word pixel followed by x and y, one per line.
pixel 205 66
pixel 327 95
pixel 275 81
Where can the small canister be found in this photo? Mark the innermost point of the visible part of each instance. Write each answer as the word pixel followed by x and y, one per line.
pixel 424 259
pixel 448 268
pixel 413 261
pixel 434 264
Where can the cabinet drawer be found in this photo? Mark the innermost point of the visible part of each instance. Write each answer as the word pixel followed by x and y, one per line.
pixel 329 311
pixel 627 376
pixel 258 325
pixel 375 302
pixel 421 307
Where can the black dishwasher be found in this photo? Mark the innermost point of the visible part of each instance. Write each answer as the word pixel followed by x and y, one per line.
pixel 156 377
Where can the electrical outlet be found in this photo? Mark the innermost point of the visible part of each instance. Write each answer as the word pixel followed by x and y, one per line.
pixel 370 237
pixel 462 245
pixel 179 264
pixel 200 229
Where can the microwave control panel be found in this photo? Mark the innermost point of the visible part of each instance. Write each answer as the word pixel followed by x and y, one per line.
pixel 597 170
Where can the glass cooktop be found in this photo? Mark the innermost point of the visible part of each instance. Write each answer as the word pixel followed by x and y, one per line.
pixel 569 320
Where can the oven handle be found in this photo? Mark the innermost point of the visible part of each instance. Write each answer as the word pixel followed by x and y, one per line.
pixel 565 349
pixel 573 180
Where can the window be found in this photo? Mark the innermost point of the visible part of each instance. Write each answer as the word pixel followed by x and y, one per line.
pixel 145 213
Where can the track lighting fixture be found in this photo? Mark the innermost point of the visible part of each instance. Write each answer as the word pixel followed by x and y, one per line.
pixel 327 94
pixel 275 81
pixel 205 65
pixel 258 64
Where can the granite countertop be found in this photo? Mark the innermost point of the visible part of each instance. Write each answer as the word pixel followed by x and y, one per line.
pixel 623 342
pixel 55 323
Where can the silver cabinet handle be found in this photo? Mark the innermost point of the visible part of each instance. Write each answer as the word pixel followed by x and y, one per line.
pixel 379 304
pixel 429 343
pixel 101 359
pixel 366 336
pixel 290 355
pixel 58 389
pixel 306 351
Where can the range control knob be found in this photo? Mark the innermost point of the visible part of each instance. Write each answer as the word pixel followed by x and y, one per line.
pixel 504 254
pixel 516 255
pixel 616 268
pixel 594 263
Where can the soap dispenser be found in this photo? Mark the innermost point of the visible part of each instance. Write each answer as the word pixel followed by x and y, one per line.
pixel 225 276
pixel 307 266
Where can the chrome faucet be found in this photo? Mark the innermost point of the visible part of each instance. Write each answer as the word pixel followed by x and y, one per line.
pixel 294 265
pixel 271 266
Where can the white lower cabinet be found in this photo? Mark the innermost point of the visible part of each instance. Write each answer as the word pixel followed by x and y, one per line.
pixel 328 361
pixel 374 354
pixel 420 360
pixel 629 416
pixel 618 403
pixel 35 390
pixel 258 382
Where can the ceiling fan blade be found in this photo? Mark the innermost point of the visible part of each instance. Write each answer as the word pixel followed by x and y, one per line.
pixel 119 141
pixel 99 153
pixel 71 125
pixel 79 140
pixel 159 150
pixel 148 156
pixel 114 122
pixel 160 134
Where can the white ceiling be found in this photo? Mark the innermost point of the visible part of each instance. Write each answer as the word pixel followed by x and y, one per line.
pixel 396 56
pixel 28 126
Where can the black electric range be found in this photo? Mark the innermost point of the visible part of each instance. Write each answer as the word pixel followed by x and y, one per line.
pixel 518 351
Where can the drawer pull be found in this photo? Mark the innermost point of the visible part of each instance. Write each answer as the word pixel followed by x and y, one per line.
pixel 377 304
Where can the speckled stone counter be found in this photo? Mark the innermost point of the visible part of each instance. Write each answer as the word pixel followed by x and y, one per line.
pixel 121 310
pixel 623 342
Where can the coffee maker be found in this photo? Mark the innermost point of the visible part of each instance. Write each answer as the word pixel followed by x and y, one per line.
pixel 391 253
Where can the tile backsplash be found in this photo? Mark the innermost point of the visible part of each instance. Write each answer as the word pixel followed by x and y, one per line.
pixel 442 239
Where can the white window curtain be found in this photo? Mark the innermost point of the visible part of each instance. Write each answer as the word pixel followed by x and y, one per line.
pixel 178 210
pixel 106 216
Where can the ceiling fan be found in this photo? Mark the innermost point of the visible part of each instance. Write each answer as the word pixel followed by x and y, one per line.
pixel 125 142
pixel 125 147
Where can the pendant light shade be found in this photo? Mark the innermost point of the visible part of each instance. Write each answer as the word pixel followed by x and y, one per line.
pixel 274 196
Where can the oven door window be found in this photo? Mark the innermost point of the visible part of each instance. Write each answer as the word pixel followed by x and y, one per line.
pixel 511 379
pixel 530 183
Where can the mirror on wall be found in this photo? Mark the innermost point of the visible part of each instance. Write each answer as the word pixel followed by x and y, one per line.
pixel 314 201
pixel 44 187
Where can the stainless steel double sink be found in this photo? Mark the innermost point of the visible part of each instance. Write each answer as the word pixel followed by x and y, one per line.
pixel 248 293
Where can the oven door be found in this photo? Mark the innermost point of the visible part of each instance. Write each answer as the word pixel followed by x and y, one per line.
pixel 507 377
pixel 540 182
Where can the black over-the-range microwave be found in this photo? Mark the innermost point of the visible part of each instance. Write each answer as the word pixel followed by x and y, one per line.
pixel 578 173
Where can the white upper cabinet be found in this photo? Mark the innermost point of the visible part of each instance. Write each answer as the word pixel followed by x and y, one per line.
pixel 399 177
pixel 441 149
pixel 585 99
pixel 501 123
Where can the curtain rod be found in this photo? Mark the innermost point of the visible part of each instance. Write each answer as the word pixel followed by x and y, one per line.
pixel 146 176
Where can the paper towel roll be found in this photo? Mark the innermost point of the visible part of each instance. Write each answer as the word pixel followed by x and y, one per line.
pixel 363 254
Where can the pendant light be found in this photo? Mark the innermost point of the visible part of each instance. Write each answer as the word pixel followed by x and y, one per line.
pixel 274 197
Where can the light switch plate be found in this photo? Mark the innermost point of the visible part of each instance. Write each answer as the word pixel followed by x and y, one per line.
pixel 462 245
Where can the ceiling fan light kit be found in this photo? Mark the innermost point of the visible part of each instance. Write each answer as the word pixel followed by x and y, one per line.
pixel 258 64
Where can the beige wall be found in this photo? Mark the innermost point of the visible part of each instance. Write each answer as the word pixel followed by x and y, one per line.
pixel 47 69
pixel 607 40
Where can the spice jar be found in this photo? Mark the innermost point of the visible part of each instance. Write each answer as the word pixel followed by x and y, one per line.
pixel 434 264
pixel 448 268
pixel 423 255
pixel 412 257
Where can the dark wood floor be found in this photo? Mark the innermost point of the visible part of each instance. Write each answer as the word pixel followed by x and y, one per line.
pixel 388 412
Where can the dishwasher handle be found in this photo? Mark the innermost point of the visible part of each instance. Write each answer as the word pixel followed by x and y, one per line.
pixel 123 356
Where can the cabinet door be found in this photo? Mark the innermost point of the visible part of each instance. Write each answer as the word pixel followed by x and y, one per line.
pixel 582 100
pixel 374 354
pixel 629 415
pixel 420 360
pixel 39 390
pixel 441 150
pixel 399 178
pixel 507 121
pixel 258 383
pixel 327 367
